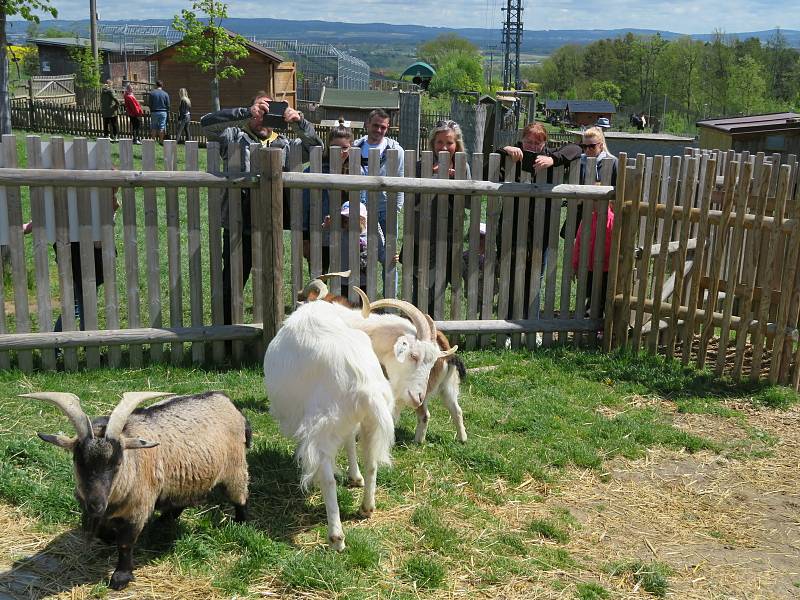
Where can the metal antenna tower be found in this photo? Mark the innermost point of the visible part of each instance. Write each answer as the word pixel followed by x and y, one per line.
pixel 512 38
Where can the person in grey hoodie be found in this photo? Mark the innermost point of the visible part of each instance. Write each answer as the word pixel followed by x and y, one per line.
pixel 109 107
pixel 244 126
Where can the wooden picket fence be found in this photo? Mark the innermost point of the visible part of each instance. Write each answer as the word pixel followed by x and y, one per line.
pixel 704 253
pixel 705 266
pixel 60 119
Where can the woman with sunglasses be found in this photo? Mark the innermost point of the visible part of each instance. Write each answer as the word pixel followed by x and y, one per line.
pixel 593 144
pixel 445 135
pixel 534 139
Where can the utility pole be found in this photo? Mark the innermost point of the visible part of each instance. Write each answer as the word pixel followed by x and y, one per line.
pixel 512 38
pixel 491 63
pixel 93 30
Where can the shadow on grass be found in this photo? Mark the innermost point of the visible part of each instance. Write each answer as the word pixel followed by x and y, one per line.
pixel 72 559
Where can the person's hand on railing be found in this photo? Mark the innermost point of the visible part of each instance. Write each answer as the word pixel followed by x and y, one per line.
pixel 513 152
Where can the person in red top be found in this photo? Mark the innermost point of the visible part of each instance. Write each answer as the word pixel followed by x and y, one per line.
pixel 594 145
pixel 135 113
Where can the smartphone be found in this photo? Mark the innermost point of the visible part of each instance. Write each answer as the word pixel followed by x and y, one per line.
pixel 274 118
pixel 528 160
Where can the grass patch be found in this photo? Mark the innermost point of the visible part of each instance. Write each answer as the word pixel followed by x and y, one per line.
pixel 651 577
pixel 426 572
pixel 435 535
pixel 549 530
pixel 591 591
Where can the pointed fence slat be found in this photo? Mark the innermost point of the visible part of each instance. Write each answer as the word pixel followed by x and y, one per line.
pixel 152 250
pixel 193 250
pixel 130 248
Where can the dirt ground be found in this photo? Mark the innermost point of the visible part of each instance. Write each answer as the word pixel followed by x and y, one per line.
pixel 727 525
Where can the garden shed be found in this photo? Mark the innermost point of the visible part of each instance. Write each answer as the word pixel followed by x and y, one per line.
pixel 772 132
pixel 264 69
pixel 355 105
pixel 586 112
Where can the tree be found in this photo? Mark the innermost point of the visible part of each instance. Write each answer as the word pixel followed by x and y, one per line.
pixel 461 71
pixel 748 87
pixel 208 45
pixel 26 9
pixel 438 50
pixel 606 90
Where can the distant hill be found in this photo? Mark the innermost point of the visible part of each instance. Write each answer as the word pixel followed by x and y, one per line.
pixel 355 34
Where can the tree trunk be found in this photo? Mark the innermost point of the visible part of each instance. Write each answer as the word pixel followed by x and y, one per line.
pixel 5 104
pixel 215 95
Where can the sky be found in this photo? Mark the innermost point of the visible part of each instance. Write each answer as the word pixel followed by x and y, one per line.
pixel 681 16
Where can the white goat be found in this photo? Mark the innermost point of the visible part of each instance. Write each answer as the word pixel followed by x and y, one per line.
pixel 332 372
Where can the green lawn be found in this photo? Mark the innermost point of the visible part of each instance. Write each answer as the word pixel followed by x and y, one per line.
pixel 442 521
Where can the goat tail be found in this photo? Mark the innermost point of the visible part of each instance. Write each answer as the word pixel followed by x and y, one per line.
pixel 456 361
pixel 377 436
pixel 248 434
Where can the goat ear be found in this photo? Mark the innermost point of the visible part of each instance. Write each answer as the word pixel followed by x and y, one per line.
pixel 401 348
pixel 62 441
pixel 137 443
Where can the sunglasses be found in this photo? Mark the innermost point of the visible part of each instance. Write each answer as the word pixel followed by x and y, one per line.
pixel 587 146
pixel 442 124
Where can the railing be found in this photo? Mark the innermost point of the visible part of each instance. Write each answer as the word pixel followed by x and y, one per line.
pixel 47 117
pixel 702 246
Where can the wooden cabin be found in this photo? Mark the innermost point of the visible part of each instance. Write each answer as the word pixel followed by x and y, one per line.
pixel 773 132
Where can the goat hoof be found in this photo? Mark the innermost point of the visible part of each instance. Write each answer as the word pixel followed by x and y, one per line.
pixel 120 580
pixel 355 481
pixel 462 438
pixel 366 512
pixel 336 542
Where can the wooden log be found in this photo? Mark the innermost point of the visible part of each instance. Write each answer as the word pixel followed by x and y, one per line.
pixel 688 190
pixel 654 190
pixel 765 275
pixel 749 273
pixel 215 251
pixel 743 187
pixel 146 178
pixel 194 252
pixel 152 251
pixel 704 200
pixel 130 252
pixel 41 251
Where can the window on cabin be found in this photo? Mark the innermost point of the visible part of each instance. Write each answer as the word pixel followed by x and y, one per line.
pixel 776 143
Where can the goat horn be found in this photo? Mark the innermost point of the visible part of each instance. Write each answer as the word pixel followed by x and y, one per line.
pixel 327 276
pixel 315 285
pixel 365 303
pixel 119 416
pixel 70 405
pixel 432 325
pixel 416 315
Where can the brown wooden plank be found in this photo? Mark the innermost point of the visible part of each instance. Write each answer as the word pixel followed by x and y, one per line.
pixel 629 243
pixel 743 175
pixel 315 213
pixel 296 221
pixel 152 250
pixel 215 251
pixel 687 193
pixel 131 252
pixel 701 235
pixel 565 310
pixel 235 229
pixel 194 241
pixel 88 281
pixel 174 251
pixel 334 235
pixel 256 252
pixel 618 207
pixel 750 272
pixel 41 250
pixel 765 276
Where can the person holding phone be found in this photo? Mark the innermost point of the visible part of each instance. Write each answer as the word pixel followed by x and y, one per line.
pixel 244 126
pixel 534 139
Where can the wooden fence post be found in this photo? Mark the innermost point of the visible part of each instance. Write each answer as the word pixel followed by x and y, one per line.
pixel 268 163
pixel 409 120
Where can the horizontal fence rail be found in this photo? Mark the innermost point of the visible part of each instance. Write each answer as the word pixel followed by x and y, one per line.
pixel 701 262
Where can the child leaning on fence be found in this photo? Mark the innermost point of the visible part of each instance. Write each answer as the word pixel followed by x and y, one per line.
pixel 362 241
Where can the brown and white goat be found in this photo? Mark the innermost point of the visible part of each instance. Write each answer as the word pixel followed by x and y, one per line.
pixel 167 456
pixel 446 375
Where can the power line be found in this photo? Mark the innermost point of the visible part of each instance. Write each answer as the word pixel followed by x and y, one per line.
pixel 512 38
